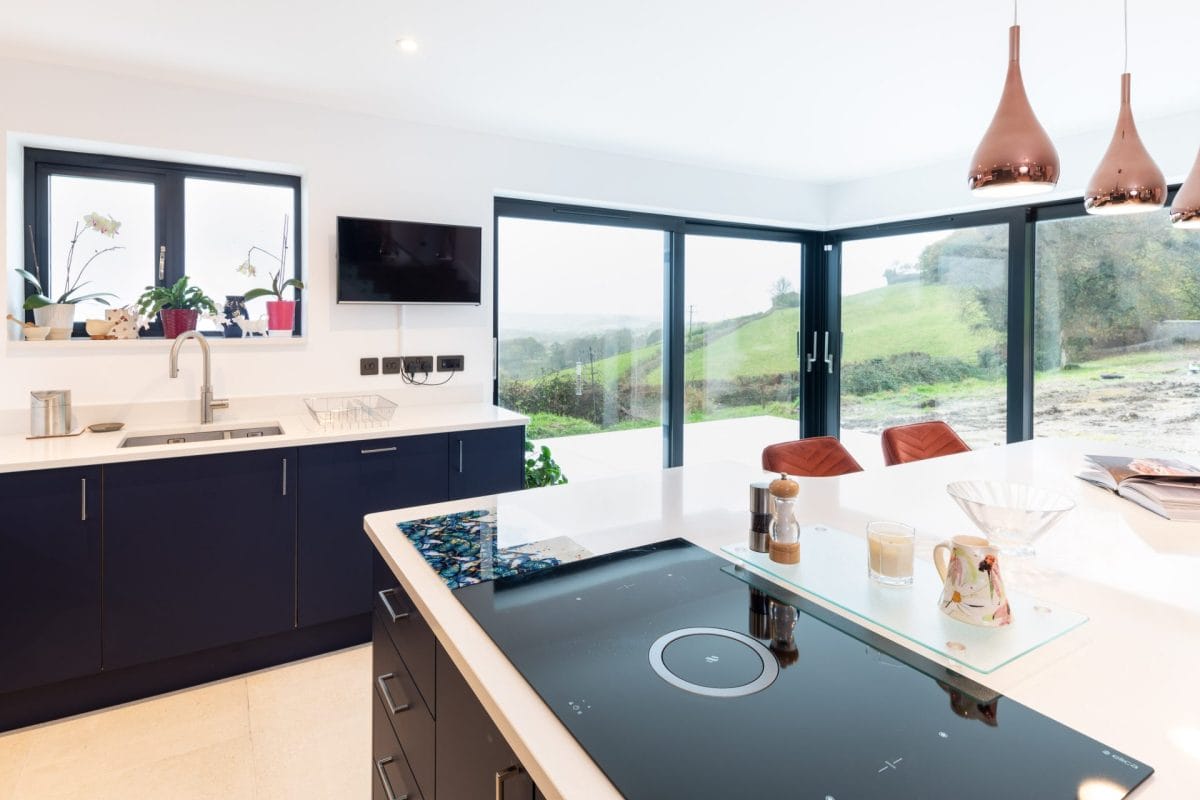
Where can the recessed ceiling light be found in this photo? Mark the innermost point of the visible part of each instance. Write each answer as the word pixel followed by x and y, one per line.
pixel 407 44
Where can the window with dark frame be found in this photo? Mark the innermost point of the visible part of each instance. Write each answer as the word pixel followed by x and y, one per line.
pixel 124 224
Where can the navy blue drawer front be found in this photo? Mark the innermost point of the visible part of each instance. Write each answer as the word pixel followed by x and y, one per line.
pixel 410 635
pixel 49 576
pixel 391 777
pixel 339 485
pixel 199 552
pixel 407 713
pixel 487 461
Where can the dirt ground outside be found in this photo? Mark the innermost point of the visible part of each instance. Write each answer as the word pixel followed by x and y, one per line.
pixel 1149 400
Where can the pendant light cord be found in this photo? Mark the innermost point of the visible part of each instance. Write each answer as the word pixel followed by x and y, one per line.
pixel 1014 12
pixel 1126 36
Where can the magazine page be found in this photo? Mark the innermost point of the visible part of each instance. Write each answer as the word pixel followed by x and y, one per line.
pixel 1121 468
pixel 1173 500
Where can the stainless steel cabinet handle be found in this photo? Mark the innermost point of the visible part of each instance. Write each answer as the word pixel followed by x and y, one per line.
pixel 284 485
pixel 392 705
pixel 83 499
pixel 162 262
pixel 460 456
pixel 369 450
pixel 387 606
pixel 502 776
pixel 381 767
pixel 812 357
pixel 828 355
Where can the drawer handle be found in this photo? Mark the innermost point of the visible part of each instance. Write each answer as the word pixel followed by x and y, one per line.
pixel 369 450
pixel 381 767
pixel 393 707
pixel 83 499
pixel 383 597
pixel 502 776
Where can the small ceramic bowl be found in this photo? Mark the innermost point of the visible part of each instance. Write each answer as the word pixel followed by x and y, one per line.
pixel 98 328
pixel 35 334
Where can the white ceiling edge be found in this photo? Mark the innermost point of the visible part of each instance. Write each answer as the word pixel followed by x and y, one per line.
pixel 1173 142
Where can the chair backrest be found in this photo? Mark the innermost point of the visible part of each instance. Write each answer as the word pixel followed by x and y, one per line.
pixel 919 441
pixel 817 457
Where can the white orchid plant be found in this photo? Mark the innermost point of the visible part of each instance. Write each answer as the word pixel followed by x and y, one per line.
pixel 278 284
pixel 99 223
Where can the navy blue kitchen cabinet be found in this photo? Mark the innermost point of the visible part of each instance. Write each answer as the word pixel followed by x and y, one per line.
pixel 488 461
pixel 339 484
pixel 199 552
pixel 49 576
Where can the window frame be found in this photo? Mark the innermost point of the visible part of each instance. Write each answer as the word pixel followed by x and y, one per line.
pixel 170 211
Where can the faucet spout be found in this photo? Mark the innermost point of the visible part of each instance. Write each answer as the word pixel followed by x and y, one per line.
pixel 206 391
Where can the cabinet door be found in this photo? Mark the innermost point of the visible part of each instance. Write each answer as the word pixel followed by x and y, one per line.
pixel 198 552
pixel 339 484
pixel 49 576
pixel 473 760
pixel 487 461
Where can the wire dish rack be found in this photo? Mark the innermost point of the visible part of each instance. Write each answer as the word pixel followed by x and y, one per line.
pixel 351 411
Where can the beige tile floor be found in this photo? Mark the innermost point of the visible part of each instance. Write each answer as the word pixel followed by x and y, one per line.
pixel 298 731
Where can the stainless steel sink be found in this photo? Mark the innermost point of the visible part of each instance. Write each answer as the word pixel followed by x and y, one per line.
pixel 188 437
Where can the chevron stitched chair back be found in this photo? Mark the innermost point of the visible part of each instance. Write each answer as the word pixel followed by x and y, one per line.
pixel 816 457
pixel 919 441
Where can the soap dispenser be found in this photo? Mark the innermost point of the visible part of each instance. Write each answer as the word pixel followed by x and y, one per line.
pixel 785 531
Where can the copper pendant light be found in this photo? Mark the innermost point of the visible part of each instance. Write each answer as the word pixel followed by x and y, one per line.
pixel 1185 211
pixel 1015 157
pixel 1127 180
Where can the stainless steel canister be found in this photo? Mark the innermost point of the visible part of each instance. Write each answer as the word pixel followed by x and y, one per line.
pixel 762 506
pixel 50 412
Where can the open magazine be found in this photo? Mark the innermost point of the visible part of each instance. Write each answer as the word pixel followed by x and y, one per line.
pixel 1167 487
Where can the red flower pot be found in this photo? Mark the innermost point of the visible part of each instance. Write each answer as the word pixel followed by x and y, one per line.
pixel 281 315
pixel 177 320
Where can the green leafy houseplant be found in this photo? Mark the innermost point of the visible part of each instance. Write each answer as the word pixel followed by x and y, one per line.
pixel 542 469
pixel 105 226
pixel 181 296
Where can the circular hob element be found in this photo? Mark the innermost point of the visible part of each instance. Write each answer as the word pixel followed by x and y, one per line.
pixel 713 662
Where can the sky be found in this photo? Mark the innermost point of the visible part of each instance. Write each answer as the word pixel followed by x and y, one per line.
pixel 865 260
pixel 556 267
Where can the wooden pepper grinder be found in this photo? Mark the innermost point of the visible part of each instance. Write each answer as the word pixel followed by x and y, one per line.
pixel 785 531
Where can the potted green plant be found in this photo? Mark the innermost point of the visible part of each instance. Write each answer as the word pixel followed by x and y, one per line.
pixel 541 469
pixel 178 306
pixel 281 313
pixel 59 314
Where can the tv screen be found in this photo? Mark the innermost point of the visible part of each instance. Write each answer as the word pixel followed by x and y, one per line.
pixel 381 261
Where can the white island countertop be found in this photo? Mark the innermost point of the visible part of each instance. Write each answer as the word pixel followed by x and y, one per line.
pixel 18 453
pixel 1126 678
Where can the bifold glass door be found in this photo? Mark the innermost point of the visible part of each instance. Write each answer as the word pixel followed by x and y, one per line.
pixel 741 369
pixel 580 340
pixel 924 321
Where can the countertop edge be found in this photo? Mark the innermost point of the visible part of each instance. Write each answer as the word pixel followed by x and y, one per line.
pixel 297 433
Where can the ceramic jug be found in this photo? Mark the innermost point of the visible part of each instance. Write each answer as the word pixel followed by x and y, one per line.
pixel 974 590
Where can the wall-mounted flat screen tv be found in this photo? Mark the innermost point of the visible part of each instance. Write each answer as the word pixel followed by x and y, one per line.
pixel 383 261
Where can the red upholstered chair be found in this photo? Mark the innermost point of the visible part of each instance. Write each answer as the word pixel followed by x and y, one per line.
pixel 817 457
pixel 919 441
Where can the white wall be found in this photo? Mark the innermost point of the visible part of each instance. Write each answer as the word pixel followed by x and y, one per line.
pixel 351 165
pixel 941 188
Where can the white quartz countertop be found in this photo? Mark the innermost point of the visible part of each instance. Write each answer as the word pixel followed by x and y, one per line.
pixel 17 453
pixel 1126 677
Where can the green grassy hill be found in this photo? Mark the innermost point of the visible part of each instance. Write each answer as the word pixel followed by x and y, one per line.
pixel 881 322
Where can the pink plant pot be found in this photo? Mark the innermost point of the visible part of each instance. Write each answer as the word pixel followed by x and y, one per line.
pixel 177 320
pixel 281 315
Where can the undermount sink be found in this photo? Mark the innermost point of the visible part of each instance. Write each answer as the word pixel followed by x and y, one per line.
pixel 189 437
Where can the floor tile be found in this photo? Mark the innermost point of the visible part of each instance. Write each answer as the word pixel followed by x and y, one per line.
pixel 14 750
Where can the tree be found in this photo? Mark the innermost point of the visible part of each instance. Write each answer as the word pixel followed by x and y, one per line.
pixel 784 295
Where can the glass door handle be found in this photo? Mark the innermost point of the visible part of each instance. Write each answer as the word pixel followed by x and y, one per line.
pixel 811 358
pixel 828 354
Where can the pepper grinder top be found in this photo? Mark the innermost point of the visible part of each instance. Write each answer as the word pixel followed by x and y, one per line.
pixel 785 531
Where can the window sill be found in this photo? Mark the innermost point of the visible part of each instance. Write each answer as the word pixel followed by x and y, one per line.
pixel 150 344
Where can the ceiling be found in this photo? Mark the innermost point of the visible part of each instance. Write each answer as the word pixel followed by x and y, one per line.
pixel 820 91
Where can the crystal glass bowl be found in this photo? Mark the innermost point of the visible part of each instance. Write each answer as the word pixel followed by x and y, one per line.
pixel 1011 515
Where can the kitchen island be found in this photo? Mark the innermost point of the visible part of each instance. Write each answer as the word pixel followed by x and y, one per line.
pixel 1124 678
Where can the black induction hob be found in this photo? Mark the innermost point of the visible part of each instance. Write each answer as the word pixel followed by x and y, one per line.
pixel 683 676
